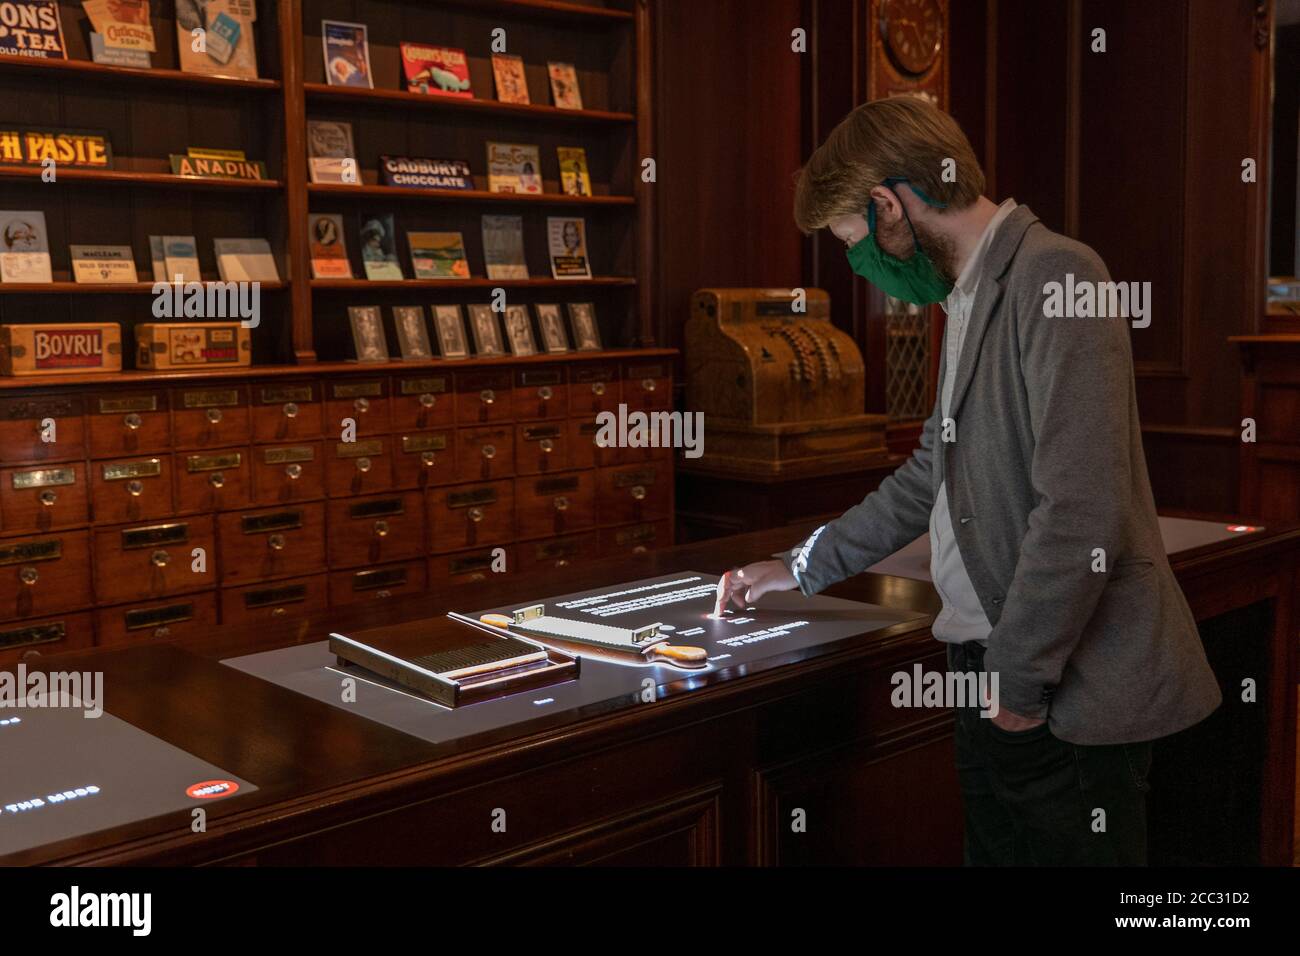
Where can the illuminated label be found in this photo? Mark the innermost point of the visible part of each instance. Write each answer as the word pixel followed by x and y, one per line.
pixel 276 521
pixel 128 403
pixel 475 496
pixel 275 395
pixel 211 789
pixel 46 549
pixel 153 535
pixel 418 443
pixel 50 799
pixel 358 390
pixel 289 594
pixel 118 470
pixel 540 377
pixel 44 478
pixel 291 453
pixel 377 509
pixel 359 449
pixel 142 618
pixel 384 578
pixel 419 386
pixel 210 399
pixel 196 463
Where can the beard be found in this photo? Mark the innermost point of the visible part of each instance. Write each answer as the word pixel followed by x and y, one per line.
pixel 941 251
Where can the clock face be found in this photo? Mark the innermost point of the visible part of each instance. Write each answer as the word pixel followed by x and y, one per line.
pixel 912 31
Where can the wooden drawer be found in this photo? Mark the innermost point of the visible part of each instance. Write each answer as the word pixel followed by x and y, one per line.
pixel 555 504
pixel 38 499
pixel 24 640
pixel 142 561
pixel 471 566
pixel 132 489
pixel 470 516
pixel 129 423
pixel 635 539
pixel 286 411
pixel 557 553
pixel 284 474
pixel 483 397
pixel 45 575
pixel 584 452
pixel 422 402
pixel 358 467
pixel 371 584
pixel 542 447
pixel 594 387
pixel 156 620
pixel 647 385
pixel 424 458
pixel 540 392
pixel 295 597
pixel 374 530
pixel 42 428
pixel 635 493
pixel 213 480
pixel 630 455
pixel 364 400
pixel 211 417
pixel 280 543
pixel 486 453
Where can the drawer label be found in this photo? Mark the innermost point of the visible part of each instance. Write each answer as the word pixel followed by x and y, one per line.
pixel 645 371
pixel 128 403
pixel 39 408
pixel 538 432
pixel 275 521
pixel 119 470
pixel 380 578
pixel 197 463
pixel 289 453
pixel 155 534
pixel 377 509
pixel 46 549
pixel 210 398
pixel 557 549
pixel 144 617
pixel 359 449
pixel 548 376
pixel 265 597
pixel 469 563
pixel 412 444
pixel 420 386
pixel 474 496
pixel 357 389
pixel 550 486
pixel 594 373
pixel 35 634
pixel 638 535
pixel 642 476
pixel 44 478
pixel 276 394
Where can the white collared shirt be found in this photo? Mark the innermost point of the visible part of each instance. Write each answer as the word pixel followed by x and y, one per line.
pixel 962 618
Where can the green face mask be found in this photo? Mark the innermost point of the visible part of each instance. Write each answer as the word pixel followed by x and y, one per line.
pixel 914 280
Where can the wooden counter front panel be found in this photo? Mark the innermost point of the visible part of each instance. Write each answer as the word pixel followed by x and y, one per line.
pixel 552 505
pixel 44 575
pixel 211 417
pixel 156 620
pixel 139 562
pixel 384 528
pixel 285 474
pixel 126 423
pixel 45 498
pixel 42 428
pixel 24 640
pixel 276 543
pixel 132 489
pixel 287 412
pixel 470 516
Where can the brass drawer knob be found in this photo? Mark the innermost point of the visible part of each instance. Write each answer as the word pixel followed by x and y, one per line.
pixel 428 399
pixel 381 529
pixel 159 558
pixel 275 542
pixel 487 396
pixel 290 409
pixel 362 405
pixel 385 593
pixel 547 446
pixel 29 576
pixel 598 388
pixel 489 451
pixel 48 497
pixel 293 472
pixel 135 487
pixel 279 612
pixel 640 549
pixel 363 465
pixel 562 562
pixel 638 492
pixel 561 503
pixel 545 393
pixel 427 458
pixel 475 514
pixel 162 631
pixel 214 415
pixel 217 479
pixel 648 384
pixel 132 421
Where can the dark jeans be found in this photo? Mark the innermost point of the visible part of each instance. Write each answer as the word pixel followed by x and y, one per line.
pixel 1031 799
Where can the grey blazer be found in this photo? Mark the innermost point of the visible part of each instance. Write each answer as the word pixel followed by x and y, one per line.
pixel 1045 466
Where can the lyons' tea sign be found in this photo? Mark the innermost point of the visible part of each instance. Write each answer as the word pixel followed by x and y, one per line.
pixel 31 29
pixel 84 149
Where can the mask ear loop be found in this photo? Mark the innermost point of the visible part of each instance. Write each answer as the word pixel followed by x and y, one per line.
pixel 889 184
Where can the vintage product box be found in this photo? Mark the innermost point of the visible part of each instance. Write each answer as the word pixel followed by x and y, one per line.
pixel 60 348
pixel 172 345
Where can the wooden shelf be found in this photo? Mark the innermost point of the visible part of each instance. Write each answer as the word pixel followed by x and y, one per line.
pixel 181 376
pixel 122 177
pixel 96 288
pixel 532 111
pixel 338 190
pixel 162 78
pixel 547 9
pixel 477 282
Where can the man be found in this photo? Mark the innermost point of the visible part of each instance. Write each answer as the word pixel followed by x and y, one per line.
pixel 1030 478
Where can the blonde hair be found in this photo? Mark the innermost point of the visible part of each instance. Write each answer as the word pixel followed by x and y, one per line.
pixel 902 136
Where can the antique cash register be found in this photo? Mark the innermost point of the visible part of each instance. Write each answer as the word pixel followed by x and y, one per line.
pixel 782 390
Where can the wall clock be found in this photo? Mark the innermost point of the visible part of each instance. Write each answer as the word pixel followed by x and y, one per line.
pixel 909 46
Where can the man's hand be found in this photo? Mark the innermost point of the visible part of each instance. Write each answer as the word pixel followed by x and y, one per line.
pixel 1012 722
pixel 744 586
